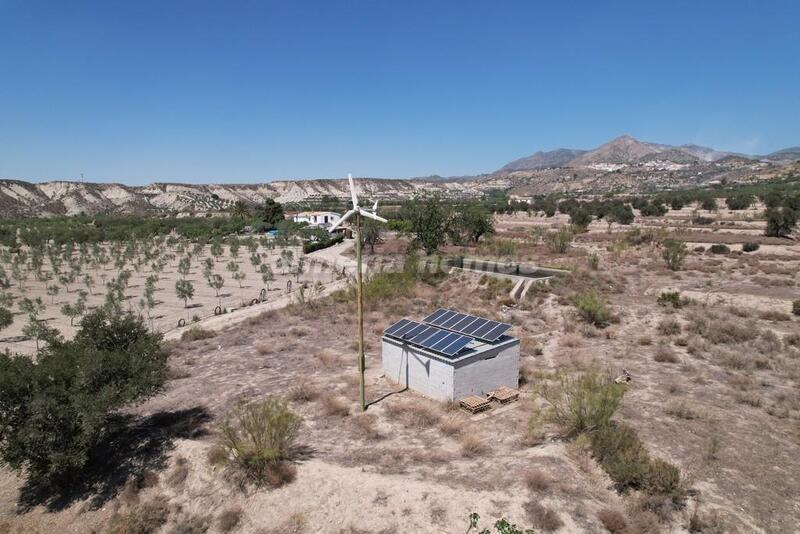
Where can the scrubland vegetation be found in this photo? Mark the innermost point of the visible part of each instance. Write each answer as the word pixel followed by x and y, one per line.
pixel 255 426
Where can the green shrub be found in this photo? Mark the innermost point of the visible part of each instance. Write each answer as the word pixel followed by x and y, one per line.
pixel 674 253
pixel 781 221
pixel 581 402
pixel 258 436
pixel 719 248
pixel 560 240
pixel 312 246
pixel 739 201
pixel 750 247
pixel 700 220
pixel 55 411
pixel 623 456
pixel 592 308
pixel 672 298
pixel 593 261
pixel 796 307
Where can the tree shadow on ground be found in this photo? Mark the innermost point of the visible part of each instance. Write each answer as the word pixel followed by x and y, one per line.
pixel 133 446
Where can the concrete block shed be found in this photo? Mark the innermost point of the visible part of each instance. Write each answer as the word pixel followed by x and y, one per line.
pixel 446 363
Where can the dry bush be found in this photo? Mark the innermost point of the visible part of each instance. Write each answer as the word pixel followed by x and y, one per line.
pixel 415 414
pixel 334 406
pixel 326 357
pixel 229 518
pixel 179 472
pixel 613 520
pixel 217 455
pixel 305 392
pixel 536 480
pixel 296 524
pixel 196 333
pixel 682 409
pixel 264 348
pixel 669 327
pixel 192 524
pixel 792 340
pixel 473 445
pixel 772 315
pixel 541 517
pixel 144 518
pixel 749 398
pixel 258 437
pixel 665 354
pixel 297 331
pixel 570 341
pixel 367 426
pixel 644 340
pixel 451 425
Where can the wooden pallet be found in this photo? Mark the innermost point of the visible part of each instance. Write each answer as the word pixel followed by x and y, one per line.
pixel 475 404
pixel 504 394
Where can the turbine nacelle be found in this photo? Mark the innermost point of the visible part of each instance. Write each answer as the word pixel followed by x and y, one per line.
pixel 356 208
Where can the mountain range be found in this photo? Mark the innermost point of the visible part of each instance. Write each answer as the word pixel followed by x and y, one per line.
pixel 625 150
pixel 622 164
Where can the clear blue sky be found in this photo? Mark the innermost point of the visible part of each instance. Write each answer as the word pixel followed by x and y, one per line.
pixel 139 91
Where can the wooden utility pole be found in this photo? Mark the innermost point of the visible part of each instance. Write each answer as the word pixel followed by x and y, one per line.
pixel 360 306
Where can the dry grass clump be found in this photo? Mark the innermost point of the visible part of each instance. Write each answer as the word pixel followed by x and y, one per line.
pixel 297 331
pixel 144 518
pixel 217 455
pixel 326 357
pixel 682 409
pixel 333 405
pixel 792 340
pixel 644 340
pixel 613 520
pixel 264 348
pixel 367 426
pixel 179 472
pixel 304 392
pixel 229 518
pixel 537 480
pixel 196 333
pixel 192 524
pixel 749 398
pixel 473 445
pixel 772 315
pixel 415 414
pixel 665 354
pixel 669 327
pixel 451 425
pixel 541 517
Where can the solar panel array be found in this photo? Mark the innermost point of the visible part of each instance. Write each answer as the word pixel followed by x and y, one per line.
pixel 429 337
pixel 470 325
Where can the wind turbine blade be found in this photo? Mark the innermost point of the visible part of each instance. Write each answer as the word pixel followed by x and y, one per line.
pixel 371 215
pixel 342 220
pixel 375 207
pixel 352 190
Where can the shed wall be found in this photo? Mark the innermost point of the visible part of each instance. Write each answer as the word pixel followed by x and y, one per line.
pixel 487 372
pixel 417 371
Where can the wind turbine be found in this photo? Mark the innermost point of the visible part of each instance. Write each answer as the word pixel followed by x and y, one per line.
pixel 359 212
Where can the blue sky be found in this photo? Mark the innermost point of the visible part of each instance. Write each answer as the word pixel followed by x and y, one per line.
pixel 142 91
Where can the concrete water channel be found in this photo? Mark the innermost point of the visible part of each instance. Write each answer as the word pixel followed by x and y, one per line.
pixel 524 275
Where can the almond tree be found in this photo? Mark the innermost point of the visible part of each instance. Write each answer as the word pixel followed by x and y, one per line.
pixel 185 291
pixel 239 276
pixel 52 291
pixel 75 310
pixel 215 281
pixel 183 266
pixel 266 275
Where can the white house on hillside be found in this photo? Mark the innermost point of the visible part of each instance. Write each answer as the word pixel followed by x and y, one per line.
pixel 325 219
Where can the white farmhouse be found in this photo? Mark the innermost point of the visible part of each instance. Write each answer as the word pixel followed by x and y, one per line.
pixel 325 219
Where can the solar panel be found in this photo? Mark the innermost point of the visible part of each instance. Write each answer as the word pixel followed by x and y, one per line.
pixel 470 325
pixel 427 336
